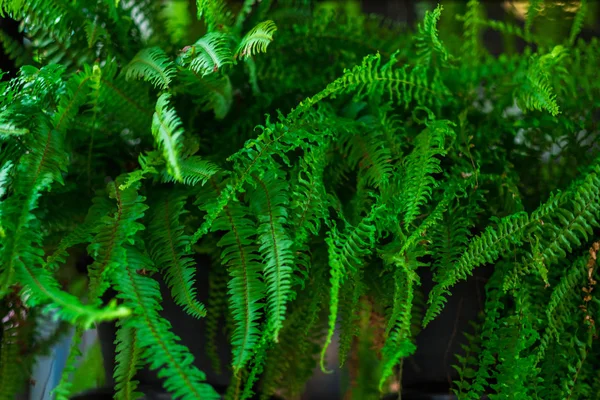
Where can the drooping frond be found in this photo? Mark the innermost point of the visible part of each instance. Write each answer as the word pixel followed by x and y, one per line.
pixel 5 171
pixel 494 242
pixel 346 254
pixel 369 153
pixel 166 245
pixel 256 40
pixel 308 209
pixel 127 362
pixel 216 306
pixel 83 233
pixel 167 131
pixel 42 290
pixel 159 346
pixel 8 129
pixel 151 65
pixel 269 201
pixel 113 233
pixel 420 164
pixel 35 172
pixel 246 290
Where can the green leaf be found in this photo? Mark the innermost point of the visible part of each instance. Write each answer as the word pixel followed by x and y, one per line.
pixel 151 65
pixel 167 131
pixel 256 40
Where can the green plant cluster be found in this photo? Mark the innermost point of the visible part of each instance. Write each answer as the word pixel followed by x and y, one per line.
pixel 322 158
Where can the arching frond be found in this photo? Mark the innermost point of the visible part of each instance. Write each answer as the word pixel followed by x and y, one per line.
pixel 209 54
pixel 151 65
pixel 256 40
pixel 167 242
pixel 167 131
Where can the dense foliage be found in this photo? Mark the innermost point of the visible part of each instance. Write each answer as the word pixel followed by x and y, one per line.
pixel 321 176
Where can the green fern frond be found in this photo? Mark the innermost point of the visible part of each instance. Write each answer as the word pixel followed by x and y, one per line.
pixel 194 171
pixel 159 347
pixel 537 93
pixel 63 390
pixel 43 163
pixel 423 161
pixel 215 14
pixel 494 242
pixel 10 379
pixel 115 230
pixel 216 309
pixel 398 343
pixel 571 227
pixel 43 291
pixel 453 190
pixel 127 363
pixel 346 254
pixel 533 10
pixel 166 245
pixel 467 362
pixel 94 31
pixel 270 200
pixel 83 233
pixel 349 306
pixel 472 44
pixel 578 21
pixel 402 85
pixel 450 238
pixel 212 92
pixel 167 131
pixel 5 172
pixel 151 65
pixel 9 130
pixel 210 53
pixel 256 40
pixel 427 39
pixel 371 155
pixel 14 49
pixel 246 290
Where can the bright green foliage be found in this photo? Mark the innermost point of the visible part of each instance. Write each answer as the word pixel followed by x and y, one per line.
pixel 166 244
pixel 323 160
pixel 128 360
pixel 166 128
pixel 153 66
pixel 210 53
pixel 269 202
pixel 257 40
pixel 159 347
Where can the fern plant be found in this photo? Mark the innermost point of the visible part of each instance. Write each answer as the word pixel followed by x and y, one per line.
pixel 323 159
